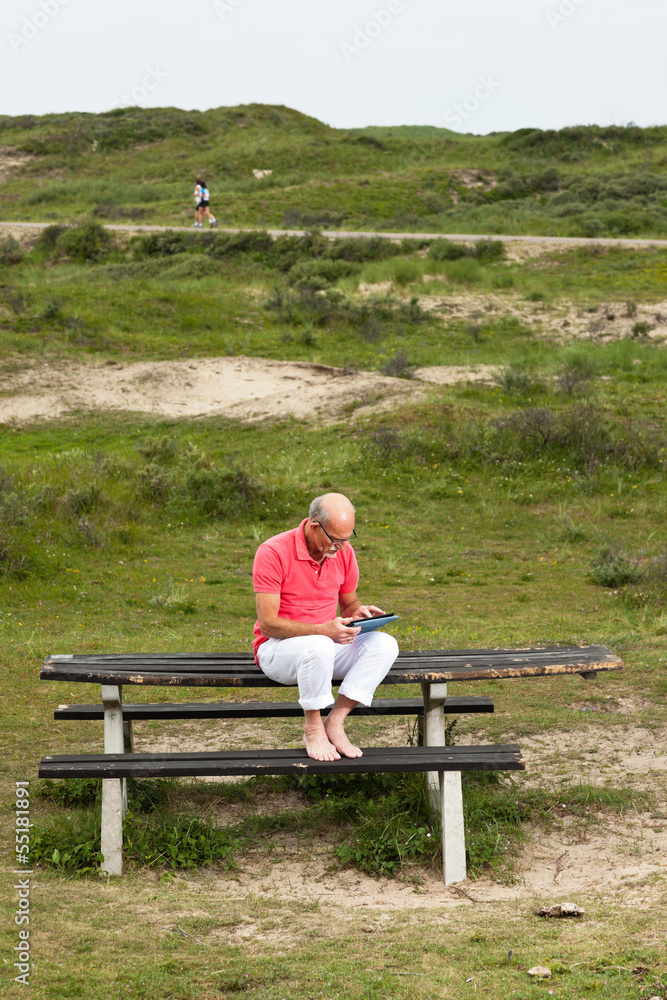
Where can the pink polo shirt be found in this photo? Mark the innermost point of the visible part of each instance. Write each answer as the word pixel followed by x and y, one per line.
pixel 308 590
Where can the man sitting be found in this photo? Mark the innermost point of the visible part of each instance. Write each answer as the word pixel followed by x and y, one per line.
pixel 301 577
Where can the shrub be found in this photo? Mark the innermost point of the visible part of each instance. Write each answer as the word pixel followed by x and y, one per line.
pixel 403 271
pixel 227 493
pixel 162 449
pixel 189 267
pixel 83 500
pixel 90 242
pixel 613 568
pixel 641 329
pixel 316 275
pixel 48 238
pixel 517 381
pixel 447 250
pixel 488 251
pixel 258 245
pixel 575 376
pixel 398 366
pixel 10 251
pixel 165 244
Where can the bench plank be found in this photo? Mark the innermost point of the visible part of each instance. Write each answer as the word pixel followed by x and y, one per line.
pixel 267 709
pixel 253 762
pixel 239 669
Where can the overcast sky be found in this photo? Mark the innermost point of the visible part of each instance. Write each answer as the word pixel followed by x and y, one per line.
pixel 472 65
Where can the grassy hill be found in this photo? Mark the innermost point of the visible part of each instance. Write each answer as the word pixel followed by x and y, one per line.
pixel 140 164
pixel 526 510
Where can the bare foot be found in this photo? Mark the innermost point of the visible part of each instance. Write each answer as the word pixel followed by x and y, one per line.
pixel 338 737
pixel 317 745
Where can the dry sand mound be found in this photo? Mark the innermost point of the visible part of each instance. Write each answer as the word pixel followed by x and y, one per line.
pixel 243 388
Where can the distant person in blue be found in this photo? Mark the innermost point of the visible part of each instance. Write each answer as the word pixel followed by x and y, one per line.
pixel 202 196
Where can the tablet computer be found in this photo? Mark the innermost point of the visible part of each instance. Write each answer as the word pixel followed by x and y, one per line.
pixel 370 624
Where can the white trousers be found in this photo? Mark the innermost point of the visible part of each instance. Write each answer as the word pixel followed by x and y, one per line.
pixel 313 661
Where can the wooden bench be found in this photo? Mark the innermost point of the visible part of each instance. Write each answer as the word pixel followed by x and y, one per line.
pixel 441 760
pixel 431 669
pixel 137 712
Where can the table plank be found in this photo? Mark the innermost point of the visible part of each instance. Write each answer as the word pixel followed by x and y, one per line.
pixel 239 669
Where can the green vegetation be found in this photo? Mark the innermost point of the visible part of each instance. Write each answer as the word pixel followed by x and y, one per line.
pixel 139 165
pixel 528 509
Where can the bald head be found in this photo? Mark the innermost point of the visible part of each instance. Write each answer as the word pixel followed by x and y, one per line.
pixel 334 509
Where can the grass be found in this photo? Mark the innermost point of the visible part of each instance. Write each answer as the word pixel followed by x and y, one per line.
pixel 136 164
pixel 499 514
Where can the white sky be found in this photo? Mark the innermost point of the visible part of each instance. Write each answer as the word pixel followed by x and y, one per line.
pixel 546 64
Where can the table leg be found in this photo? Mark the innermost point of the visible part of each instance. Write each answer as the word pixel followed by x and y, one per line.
pixel 114 792
pixel 445 788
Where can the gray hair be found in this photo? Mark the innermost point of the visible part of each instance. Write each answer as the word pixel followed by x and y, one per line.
pixel 320 512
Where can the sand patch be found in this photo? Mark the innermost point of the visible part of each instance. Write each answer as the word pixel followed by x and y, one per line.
pixel 560 322
pixel 248 389
pixel 611 857
pixel 451 374
pixel 11 161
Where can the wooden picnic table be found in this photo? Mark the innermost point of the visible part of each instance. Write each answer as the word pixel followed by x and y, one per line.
pixel 432 669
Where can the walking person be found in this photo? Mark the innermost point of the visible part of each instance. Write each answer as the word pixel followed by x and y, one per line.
pixel 204 207
pixel 197 223
pixel 305 584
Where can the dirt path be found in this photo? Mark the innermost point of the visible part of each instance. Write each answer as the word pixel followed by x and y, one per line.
pixel 614 858
pixel 242 388
pixel 343 234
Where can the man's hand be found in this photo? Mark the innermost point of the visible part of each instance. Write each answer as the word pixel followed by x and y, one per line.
pixel 338 630
pixel 367 611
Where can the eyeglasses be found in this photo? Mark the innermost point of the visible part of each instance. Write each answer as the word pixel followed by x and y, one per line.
pixel 336 541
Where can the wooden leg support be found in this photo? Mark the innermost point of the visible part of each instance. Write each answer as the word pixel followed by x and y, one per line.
pixel 114 792
pixel 445 788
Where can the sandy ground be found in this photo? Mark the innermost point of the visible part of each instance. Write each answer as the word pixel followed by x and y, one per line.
pixel 613 858
pixel 238 387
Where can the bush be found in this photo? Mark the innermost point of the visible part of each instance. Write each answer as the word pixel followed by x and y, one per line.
pixel 10 251
pixel 398 366
pixel 575 376
pixel 516 381
pixel 49 237
pixel 488 251
pixel 225 493
pixel 403 270
pixel 447 250
pixel 257 245
pixel 613 568
pixel 316 275
pixel 90 242
pixel 165 244
pixel 641 329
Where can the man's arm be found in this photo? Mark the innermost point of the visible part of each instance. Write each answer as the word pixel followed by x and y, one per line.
pixel 275 627
pixel 350 605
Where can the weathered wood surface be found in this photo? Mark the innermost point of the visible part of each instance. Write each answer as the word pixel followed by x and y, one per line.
pixel 251 762
pixel 239 669
pixel 267 709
